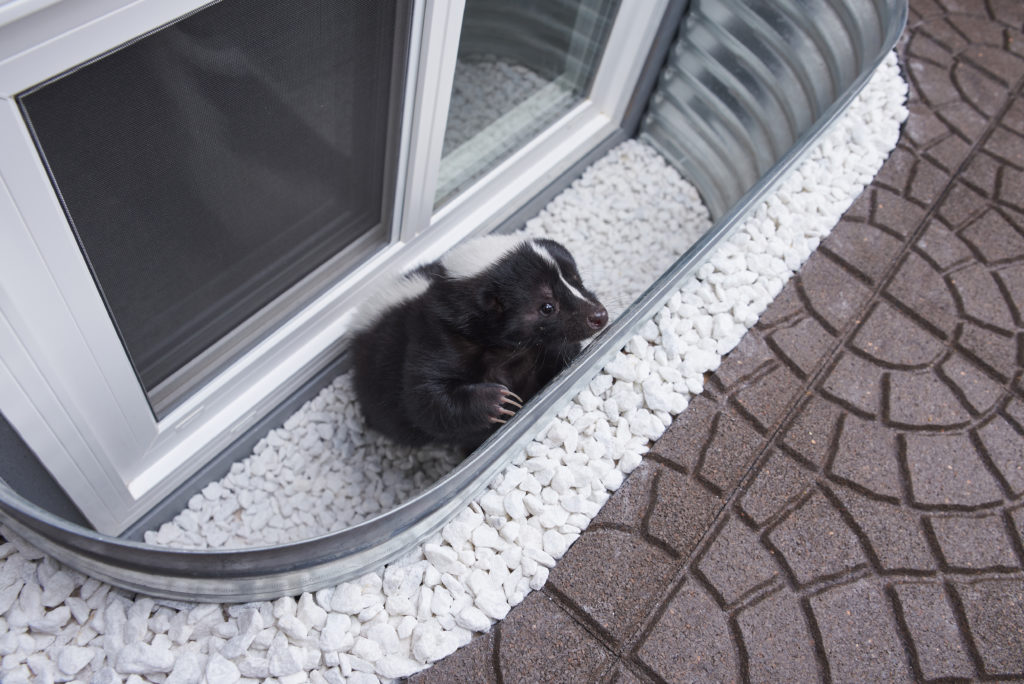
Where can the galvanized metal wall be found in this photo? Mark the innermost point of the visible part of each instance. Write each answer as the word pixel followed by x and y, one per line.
pixel 746 78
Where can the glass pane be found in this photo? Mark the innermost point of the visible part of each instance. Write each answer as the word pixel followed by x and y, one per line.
pixel 521 66
pixel 213 164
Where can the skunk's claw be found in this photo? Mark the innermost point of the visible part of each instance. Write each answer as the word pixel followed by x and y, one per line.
pixel 504 406
pixel 510 397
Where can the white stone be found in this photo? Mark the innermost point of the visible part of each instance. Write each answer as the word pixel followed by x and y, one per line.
pixel 367 649
pixel 107 675
pixel 456 533
pixel 426 597
pixel 478 581
pixel 281 660
pixel 554 544
pixel 473 619
pixel 41 667
pixel 309 613
pixel 562 480
pixel 487 537
pixel 399 605
pixel 534 504
pixel 249 623
pixel 348 598
pixel 335 634
pixel 441 602
pixel 698 361
pixel 9 595
pixel 397 667
pixel 180 631
pixel 510 531
pixel 539 579
pixel 511 479
pixel 256 667
pixel 573 503
pixel 187 669
pixel 220 670
pixel 492 503
pixel 613 480
pixel 405 626
pixel 57 588
pixel 513 504
pixel 293 627
pixel 622 367
pixel 553 515
pixel 371 612
pixel 601 384
pixel 285 607
pixel 656 396
pixel 453 585
pixel 444 558
pixel 629 461
pixel 425 642
pixel 323 598
pixel 141 658
pixel 299 677
pixel 530 484
pixel 71 659
pixel 53 621
pixel 540 556
pixel 493 603
pixel 393 576
pixel 386 636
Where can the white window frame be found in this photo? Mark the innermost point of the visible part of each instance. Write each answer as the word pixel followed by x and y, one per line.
pixel 66 383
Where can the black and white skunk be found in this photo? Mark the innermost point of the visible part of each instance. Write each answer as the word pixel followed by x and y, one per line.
pixel 452 349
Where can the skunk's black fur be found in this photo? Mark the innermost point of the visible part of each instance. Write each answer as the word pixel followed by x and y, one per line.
pixel 472 335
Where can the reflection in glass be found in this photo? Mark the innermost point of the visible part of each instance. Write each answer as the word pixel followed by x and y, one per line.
pixel 521 66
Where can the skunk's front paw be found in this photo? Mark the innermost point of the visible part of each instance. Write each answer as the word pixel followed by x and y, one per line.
pixel 499 402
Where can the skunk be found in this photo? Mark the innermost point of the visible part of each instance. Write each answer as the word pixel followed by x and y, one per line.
pixel 452 349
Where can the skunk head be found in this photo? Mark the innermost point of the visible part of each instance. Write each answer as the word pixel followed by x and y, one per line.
pixel 526 292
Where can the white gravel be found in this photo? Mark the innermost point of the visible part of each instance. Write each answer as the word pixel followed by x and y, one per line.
pixel 318 473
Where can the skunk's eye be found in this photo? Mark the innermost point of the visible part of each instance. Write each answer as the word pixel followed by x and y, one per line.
pixel 547 308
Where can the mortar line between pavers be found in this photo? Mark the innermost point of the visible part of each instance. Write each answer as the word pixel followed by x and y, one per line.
pixel 585 621
pixel 607 675
pixel 963 626
pixel 903 632
pixel 495 654
pixel 631 642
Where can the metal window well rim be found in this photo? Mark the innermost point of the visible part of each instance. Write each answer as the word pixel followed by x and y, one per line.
pixel 249 574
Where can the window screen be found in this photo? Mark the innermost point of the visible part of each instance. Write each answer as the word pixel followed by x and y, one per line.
pixel 212 165
pixel 521 66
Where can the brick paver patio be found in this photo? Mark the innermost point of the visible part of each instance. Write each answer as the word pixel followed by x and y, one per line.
pixel 845 502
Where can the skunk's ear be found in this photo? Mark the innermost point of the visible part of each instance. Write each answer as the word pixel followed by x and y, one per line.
pixel 490 300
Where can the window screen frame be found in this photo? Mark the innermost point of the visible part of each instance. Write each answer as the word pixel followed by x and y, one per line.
pixel 214 357
pixel 66 383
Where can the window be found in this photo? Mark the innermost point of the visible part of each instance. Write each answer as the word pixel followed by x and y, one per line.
pixel 196 195
pixel 210 166
pixel 520 67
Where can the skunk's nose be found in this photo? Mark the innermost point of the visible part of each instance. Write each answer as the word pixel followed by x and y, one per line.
pixel 597 318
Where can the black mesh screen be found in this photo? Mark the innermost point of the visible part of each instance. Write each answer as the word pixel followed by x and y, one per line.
pixel 209 166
